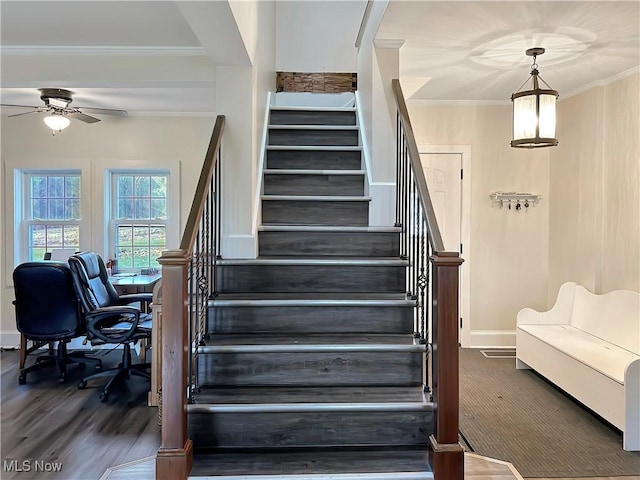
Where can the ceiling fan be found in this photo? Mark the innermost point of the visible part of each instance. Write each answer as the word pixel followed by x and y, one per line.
pixel 57 104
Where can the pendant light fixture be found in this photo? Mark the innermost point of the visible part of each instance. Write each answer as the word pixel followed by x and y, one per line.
pixel 534 111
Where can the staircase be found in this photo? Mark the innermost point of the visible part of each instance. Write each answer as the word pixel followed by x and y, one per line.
pixel 311 369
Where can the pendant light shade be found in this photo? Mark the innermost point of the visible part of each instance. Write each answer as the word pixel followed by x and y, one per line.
pixel 534 111
pixel 57 123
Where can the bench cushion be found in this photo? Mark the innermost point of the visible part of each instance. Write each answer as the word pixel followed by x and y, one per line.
pixel 604 357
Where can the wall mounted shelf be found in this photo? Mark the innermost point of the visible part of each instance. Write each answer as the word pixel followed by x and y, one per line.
pixel 514 200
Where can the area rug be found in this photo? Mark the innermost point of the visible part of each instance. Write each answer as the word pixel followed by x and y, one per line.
pixel 517 416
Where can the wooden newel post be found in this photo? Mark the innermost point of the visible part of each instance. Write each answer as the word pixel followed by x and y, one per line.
pixel 175 456
pixel 446 455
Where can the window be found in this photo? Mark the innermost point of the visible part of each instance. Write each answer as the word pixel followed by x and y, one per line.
pixel 52 212
pixel 139 216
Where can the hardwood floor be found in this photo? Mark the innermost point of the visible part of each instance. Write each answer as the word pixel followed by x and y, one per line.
pixel 44 421
pixel 57 423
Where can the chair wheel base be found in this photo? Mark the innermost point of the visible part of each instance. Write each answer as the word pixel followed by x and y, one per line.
pixel 82 385
pixel 103 397
pixel 22 379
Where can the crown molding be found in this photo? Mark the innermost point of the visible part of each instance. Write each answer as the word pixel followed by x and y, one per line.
pixel 45 50
pixel 388 43
pixel 600 83
pixel 461 103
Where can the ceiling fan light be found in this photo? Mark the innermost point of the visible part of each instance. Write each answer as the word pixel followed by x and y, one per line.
pixel 57 123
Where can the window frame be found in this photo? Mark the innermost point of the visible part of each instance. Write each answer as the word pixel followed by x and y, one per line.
pixel 111 209
pixel 23 218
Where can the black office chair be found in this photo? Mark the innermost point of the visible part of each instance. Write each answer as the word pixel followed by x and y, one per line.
pixel 47 311
pixel 110 318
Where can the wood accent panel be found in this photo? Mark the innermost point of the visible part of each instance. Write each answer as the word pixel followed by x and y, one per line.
pixel 323 82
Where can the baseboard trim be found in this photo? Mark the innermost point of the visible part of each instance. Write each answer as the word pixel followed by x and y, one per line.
pixel 382 209
pixel 492 338
pixel 9 339
pixel 239 246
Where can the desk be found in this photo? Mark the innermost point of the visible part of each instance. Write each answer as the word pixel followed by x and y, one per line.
pixel 145 284
pixel 135 284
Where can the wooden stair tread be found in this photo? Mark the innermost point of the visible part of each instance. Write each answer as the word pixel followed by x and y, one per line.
pixel 313 339
pixel 252 395
pixel 299 260
pixel 301 296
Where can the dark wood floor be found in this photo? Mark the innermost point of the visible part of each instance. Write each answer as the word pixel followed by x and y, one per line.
pixel 46 421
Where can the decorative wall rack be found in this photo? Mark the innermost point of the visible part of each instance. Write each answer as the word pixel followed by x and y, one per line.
pixel 514 200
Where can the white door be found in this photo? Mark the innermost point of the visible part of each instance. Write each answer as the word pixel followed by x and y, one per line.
pixel 442 171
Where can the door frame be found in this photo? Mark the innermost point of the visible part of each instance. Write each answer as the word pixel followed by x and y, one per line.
pixel 465 232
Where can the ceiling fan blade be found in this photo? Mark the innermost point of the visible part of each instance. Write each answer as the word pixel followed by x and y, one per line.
pixel 24 113
pixel 18 106
pixel 105 111
pixel 82 117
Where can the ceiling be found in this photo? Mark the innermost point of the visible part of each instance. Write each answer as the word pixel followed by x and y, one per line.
pixel 159 57
pixel 475 51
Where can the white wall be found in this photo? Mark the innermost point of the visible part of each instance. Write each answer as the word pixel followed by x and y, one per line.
pixel 594 184
pixel 317 36
pixel 27 143
pixel 375 69
pixel 241 95
pixel 509 249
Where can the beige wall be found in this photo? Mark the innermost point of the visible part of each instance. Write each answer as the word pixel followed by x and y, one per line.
pixel 28 144
pixel 509 249
pixel 594 181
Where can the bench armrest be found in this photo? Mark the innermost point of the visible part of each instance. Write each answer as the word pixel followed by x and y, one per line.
pixel 559 314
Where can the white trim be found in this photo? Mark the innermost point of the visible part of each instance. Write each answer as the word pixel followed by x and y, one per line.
pixel 388 43
pixel 239 246
pixel 465 232
pixel 424 101
pixel 103 51
pixel 365 155
pixel 149 113
pixel 600 83
pixel 382 209
pixel 101 186
pixel 9 339
pixel 492 339
pixel 257 202
pixel 13 189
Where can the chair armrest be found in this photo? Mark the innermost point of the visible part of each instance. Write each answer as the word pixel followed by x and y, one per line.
pixel 103 316
pixel 135 297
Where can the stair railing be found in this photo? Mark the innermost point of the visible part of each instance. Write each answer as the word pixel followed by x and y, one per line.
pixel 432 281
pixel 188 282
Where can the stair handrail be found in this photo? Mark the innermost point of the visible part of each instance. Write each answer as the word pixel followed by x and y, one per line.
pixel 188 282
pixel 432 280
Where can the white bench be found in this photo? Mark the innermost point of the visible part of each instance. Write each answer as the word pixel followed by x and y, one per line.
pixel 589 345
